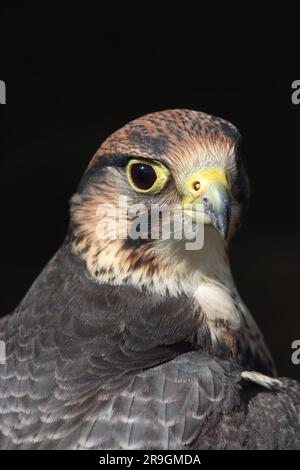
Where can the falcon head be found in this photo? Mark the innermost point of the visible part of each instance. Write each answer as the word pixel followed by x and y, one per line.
pixel 186 161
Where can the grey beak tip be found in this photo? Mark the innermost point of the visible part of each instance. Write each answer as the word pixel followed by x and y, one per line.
pixel 218 206
pixel 220 220
pixel 224 232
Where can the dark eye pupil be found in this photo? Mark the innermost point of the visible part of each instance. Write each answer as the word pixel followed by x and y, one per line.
pixel 143 175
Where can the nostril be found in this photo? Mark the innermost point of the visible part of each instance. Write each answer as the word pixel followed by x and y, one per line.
pixel 197 185
pixel 205 200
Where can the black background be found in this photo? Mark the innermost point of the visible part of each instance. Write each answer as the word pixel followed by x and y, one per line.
pixel 74 78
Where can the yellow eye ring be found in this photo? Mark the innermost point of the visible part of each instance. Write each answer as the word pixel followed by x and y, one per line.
pixel 147 176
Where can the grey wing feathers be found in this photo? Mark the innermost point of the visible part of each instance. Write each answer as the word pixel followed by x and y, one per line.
pixel 162 408
pixel 192 401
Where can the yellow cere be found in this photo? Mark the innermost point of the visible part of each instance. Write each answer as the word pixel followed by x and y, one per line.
pixel 205 176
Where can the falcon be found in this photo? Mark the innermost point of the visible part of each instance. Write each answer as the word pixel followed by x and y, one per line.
pixel 130 342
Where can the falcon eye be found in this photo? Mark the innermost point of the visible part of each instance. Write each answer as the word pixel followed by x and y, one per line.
pixel 145 176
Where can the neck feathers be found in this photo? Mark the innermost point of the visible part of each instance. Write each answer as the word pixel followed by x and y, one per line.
pixel 218 318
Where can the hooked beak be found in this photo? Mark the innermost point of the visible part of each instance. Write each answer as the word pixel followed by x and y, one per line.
pixel 207 198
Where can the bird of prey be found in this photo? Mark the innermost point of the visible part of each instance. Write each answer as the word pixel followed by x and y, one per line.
pixel 137 342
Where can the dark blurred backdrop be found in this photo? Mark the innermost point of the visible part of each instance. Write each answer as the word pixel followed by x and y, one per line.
pixel 73 79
